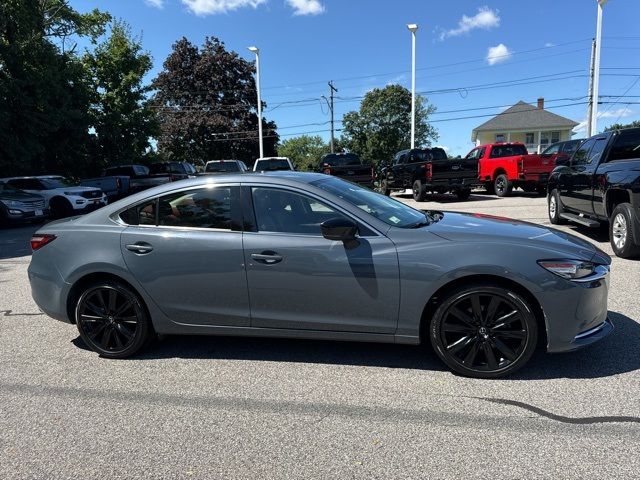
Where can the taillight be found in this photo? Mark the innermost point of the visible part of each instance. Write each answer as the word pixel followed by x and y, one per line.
pixel 428 171
pixel 521 165
pixel 40 240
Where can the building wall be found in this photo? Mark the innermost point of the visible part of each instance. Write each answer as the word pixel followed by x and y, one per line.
pixel 520 136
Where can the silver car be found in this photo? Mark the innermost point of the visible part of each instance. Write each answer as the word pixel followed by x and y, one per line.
pixel 305 255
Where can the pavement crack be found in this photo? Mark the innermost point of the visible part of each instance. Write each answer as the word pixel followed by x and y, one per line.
pixel 561 418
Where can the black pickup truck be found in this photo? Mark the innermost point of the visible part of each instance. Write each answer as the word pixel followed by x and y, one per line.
pixel 426 170
pixel 348 166
pixel 600 184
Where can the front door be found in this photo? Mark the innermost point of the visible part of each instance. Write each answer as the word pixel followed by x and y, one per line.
pixel 572 179
pixel 300 280
pixel 185 249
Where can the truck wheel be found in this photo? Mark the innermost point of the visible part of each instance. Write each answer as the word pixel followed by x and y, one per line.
pixel 621 232
pixel 383 188
pixel 463 194
pixel 555 208
pixel 419 191
pixel 502 185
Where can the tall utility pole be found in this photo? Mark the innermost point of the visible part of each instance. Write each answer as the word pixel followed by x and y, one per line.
pixel 591 69
pixel 412 28
pixel 331 90
pixel 596 70
pixel 257 52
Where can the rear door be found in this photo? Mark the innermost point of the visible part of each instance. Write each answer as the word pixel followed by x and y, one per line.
pixel 185 249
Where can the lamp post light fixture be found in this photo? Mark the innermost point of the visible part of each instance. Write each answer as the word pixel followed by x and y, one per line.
pixel 412 28
pixel 256 50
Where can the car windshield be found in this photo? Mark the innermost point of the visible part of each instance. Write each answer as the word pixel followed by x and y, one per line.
pixel 222 166
pixel 388 210
pixel 57 182
pixel 341 159
pixel 271 165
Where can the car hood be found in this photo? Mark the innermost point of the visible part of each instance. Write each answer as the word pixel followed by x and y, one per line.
pixel 19 196
pixel 464 227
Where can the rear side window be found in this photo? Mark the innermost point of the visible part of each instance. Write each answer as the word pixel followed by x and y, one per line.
pixel 142 214
pixel 203 208
pixel 626 146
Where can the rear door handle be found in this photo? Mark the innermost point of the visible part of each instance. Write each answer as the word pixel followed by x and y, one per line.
pixel 268 257
pixel 139 247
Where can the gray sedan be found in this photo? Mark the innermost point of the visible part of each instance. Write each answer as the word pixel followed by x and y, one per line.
pixel 312 256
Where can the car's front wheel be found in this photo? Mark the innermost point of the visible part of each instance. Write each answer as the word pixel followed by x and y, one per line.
pixel 484 331
pixel 112 320
pixel 623 242
pixel 555 208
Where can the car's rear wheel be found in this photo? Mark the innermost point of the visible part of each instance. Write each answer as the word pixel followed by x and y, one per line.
pixel 484 331
pixel 419 191
pixel 383 188
pixel 623 242
pixel 112 320
pixel 555 208
pixel 502 186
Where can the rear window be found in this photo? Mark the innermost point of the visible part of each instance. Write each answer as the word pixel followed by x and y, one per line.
pixel 222 167
pixel 271 165
pixel 341 160
pixel 508 151
pixel 426 155
pixel 137 170
pixel 172 167
pixel 626 146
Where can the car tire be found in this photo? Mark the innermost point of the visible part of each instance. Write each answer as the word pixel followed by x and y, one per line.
pixel 112 319
pixel 60 207
pixel 623 241
pixel 419 191
pixel 484 331
pixel 463 194
pixel 555 208
pixel 383 188
pixel 502 186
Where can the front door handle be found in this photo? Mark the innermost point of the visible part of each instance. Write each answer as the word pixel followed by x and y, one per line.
pixel 268 257
pixel 139 247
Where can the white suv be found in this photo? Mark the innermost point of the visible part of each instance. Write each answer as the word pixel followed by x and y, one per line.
pixel 270 164
pixel 61 196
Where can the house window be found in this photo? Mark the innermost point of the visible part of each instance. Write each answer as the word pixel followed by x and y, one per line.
pixel 499 137
pixel 555 137
pixel 544 138
pixel 529 138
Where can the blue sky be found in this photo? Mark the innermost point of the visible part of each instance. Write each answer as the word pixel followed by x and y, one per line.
pixel 362 44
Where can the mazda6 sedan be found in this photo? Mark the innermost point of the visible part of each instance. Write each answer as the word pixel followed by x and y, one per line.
pixel 310 256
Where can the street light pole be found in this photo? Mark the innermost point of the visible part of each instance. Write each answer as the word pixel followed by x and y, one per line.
pixel 257 52
pixel 596 70
pixel 412 28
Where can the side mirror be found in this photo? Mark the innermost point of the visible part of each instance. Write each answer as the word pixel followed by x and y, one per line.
pixel 340 228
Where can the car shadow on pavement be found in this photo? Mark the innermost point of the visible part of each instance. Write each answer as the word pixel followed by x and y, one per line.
pixel 614 355
pixel 447 197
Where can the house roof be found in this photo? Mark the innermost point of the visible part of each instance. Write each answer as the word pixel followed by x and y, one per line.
pixel 524 116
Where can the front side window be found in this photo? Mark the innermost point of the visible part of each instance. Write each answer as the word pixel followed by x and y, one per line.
pixel 581 155
pixel 596 151
pixel 283 211
pixel 553 149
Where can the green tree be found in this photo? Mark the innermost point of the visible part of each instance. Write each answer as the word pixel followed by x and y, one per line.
pixel 305 151
pixel 382 126
pixel 43 91
pixel 620 126
pixel 122 121
pixel 206 101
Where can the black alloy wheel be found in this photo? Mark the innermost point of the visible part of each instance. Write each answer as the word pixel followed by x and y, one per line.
pixel 502 186
pixel 111 320
pixel 419 191
pixel 484 331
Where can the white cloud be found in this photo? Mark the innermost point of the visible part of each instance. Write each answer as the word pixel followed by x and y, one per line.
pixel 616 114
pixel 155 3
pixel 549 44
pixel 497 54
pixel 484 19
pixel 212 7
pixel 306 7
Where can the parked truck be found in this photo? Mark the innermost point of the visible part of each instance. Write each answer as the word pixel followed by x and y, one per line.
pixel 348 166
pixel 505 166
pixel 425 170
pixel 122 180
pixel 599 185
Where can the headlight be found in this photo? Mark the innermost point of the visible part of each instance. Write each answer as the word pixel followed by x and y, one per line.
pixel 12 203
pixel 569 269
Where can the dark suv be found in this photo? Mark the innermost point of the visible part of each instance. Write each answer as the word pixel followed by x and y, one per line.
pixel 18 206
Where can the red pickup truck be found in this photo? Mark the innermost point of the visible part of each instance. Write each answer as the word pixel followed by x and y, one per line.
pixel 503 166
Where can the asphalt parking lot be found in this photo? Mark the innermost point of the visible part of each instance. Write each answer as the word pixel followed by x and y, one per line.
pixel 254 408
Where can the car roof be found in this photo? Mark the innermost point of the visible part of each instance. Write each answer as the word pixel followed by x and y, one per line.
pixel 271 158
pixel 219 161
